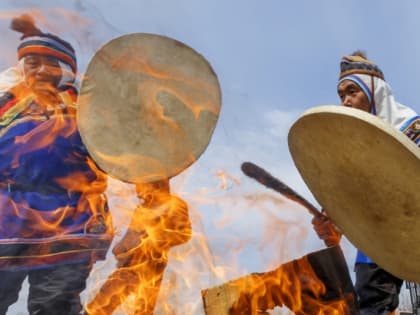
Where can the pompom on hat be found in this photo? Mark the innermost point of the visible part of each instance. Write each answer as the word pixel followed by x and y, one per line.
pixel 36 42
pixel 357 63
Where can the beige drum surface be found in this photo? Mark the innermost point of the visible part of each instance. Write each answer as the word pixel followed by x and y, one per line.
pixel 148 106
pixel 366 174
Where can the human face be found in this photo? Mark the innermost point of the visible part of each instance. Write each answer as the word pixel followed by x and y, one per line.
pixel 351 95
pixel 42 73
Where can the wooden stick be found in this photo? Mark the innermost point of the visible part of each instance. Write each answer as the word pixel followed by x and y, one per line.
pixel 262 176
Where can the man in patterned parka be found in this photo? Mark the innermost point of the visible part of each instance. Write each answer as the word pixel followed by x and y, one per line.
pixel 54 221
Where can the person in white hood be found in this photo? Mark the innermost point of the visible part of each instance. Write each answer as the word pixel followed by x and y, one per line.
pixel 362 86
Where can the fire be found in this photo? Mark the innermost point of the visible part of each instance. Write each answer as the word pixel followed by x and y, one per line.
pixel 154 273
pixel 29 203
pixel 225 178
pixel 194 93
pixel 159 224
pixel 175 289
pixel 295 285
pixel 48 17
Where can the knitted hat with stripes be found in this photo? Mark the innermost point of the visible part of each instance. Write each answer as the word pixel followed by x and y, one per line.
pixel 357 63
pixel 35 42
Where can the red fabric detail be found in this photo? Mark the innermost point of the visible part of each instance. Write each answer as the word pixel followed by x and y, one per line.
pixel 7 106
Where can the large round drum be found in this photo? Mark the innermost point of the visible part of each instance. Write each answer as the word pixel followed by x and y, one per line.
pixel 148 106
pixel 366 174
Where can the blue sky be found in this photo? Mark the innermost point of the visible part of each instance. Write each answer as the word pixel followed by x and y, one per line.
pixel 274 59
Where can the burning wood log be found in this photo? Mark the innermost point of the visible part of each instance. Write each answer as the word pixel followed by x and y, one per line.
pixel 318 283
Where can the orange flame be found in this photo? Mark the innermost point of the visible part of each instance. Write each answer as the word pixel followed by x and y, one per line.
pixel 192 92
pixel 225 178
pixel 49 17
pixel 159 224
pixel 295 285
pixel 43 136
pixel 162 222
